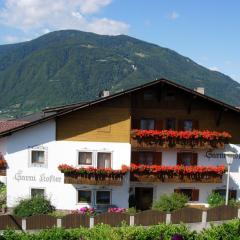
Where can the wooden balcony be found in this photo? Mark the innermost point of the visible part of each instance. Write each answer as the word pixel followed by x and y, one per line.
pixel 204 178
pixel 154 140
pixel 73 178
pixel 3 172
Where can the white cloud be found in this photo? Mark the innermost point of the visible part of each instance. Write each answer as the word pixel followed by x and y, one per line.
pixel 173 15
pixel 13 39
pixel 214 68
pixel 42 16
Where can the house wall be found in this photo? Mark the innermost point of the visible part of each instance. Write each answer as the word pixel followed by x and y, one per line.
pixel 21 177
pixel 108 122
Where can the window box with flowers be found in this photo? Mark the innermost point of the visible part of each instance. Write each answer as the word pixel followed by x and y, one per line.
pixel 179 139
pixel 3 165
pixel 93 176
pixel 188 174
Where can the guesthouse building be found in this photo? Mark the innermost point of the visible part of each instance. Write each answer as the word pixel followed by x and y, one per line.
pixel 126 149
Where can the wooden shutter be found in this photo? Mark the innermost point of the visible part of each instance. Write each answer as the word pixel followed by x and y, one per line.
pixel 135 157
pixel 195 195
pixel 194 159
pixel 136 123
pixel 157 158
pixel 179 159
pixel 195 124
pixel 233 194
pixel 180 125
pixel 158 124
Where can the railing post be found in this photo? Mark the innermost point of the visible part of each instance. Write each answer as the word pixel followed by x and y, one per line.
pixel 168 218
pixel 204 216
pixel 239 213
pixel 59 222
pixel 132 218
pixel 24 224
pixel 91 222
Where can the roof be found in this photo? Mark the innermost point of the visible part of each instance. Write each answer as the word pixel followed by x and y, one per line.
pixel 10 124
pixel 60 111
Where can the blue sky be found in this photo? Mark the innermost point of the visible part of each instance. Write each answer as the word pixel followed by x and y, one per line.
pixel 206 31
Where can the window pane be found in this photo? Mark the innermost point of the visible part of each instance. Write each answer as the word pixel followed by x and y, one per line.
pixel 187 192
pixel 84 196
pixel 147 124
pixel 84 158
pixel 186 158
pixel 38 156
pixel 104 160
pixel 170 124
pixel 103 197
pixel 37 192
pixel 187 125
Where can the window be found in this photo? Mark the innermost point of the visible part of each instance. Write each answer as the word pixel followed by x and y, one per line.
pixel 84 158
pixel 170 124
pixel 187 125
pixel 104 160
pixel 146 158
pixel 84 196
pixel 148 96
pixel 37 192
pixel 103 197
pixel 192 194
pixel 147 124
pixel 37 156
pixel 187 158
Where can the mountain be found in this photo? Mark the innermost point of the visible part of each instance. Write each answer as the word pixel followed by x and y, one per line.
pixel 69 66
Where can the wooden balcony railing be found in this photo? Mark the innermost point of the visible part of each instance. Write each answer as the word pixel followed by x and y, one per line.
pixel 92 176
pixel 153 139
pixel 177 174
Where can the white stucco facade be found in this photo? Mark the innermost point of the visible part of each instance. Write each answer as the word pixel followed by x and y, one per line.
pixel 22 176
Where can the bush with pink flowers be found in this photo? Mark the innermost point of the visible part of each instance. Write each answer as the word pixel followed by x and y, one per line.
pixel 117 210
pixel 84 210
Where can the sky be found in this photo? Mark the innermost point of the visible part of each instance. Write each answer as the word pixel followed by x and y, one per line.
pixel 207 31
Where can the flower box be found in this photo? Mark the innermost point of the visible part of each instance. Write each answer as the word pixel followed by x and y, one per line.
pixel 179 139
pixel 186 174
pixel 93 176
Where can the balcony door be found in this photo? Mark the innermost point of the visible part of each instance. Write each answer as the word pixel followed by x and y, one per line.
pixel 144 198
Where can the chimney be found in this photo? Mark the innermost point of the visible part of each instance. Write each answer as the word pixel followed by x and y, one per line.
pixel 104 93
pixel 200 90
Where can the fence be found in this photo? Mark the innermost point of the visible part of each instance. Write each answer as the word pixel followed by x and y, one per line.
pixel 145 218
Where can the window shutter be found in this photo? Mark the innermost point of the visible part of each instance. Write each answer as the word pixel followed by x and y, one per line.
pixel 195 195
pixel 233 194
pixel 180 125
pixel 195 125
pixel 194 159
pixel 157 160
pixel 135 157
pixel 158 125
pixel 135 123
pixel 179 159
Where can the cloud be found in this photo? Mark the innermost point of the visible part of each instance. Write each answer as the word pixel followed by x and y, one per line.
pixel 46 15
pixel 13 39
pixel 173 15
pixel 214 68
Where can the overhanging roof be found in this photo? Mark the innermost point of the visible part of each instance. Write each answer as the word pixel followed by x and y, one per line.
pixel 60 111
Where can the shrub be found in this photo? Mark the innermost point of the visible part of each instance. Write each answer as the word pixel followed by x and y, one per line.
pixel 33 206
pixel 3 194
pixel 215 200
pixel 84 210
pixel 169 203
pixel 117 210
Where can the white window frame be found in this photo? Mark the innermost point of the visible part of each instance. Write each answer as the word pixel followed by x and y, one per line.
pixel 39 188
pixel 39 148
pixel 84 165
pixel 85 189
pixel 103 151
pixel 102 190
